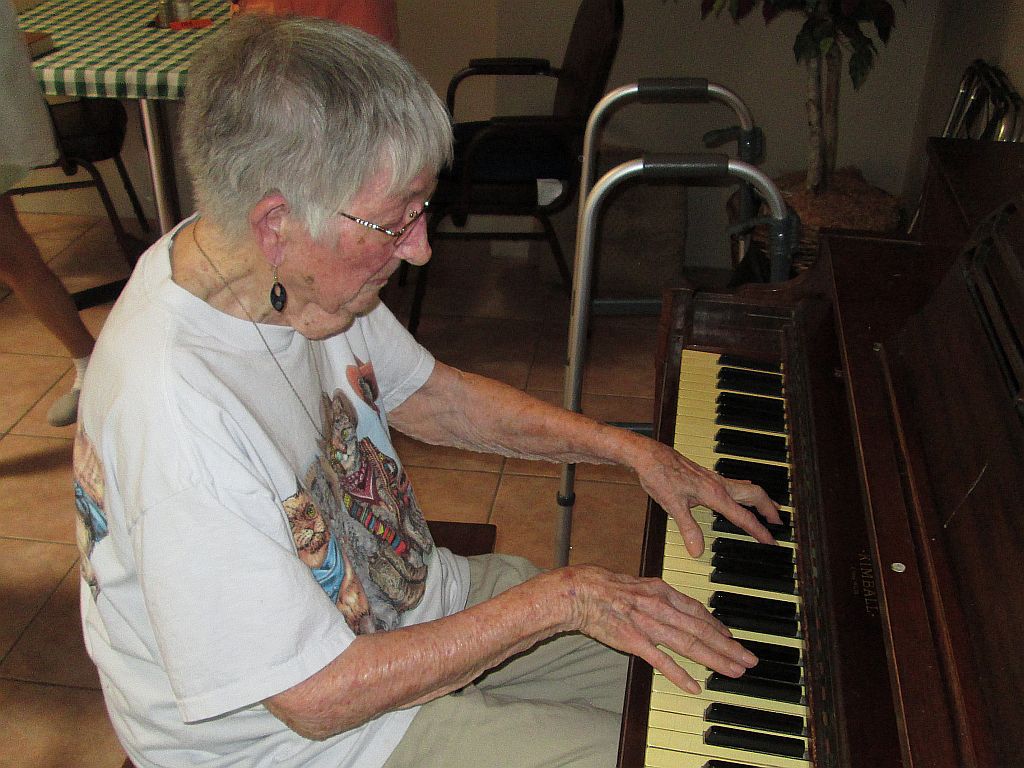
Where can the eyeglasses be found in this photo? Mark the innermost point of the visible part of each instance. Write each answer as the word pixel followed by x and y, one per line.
pixel 398 235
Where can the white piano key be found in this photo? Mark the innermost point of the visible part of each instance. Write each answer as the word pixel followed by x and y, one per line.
pixel 688 742
pixel 676 728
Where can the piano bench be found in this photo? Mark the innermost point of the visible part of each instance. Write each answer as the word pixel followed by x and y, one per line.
pixel 466 539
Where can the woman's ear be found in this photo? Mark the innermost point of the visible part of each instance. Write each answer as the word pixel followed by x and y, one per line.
pixel 266 221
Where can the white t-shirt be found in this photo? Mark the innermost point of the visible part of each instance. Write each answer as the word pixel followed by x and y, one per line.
pixel 241 522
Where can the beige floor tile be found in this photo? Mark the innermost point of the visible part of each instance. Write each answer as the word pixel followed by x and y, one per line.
pixel 608 525
pixel 52 650
pixel 51 247
pixel 467 280
pixel 47 726
pixel 500 349
pixel 21 332
pixel 29 573
pixel 95 317
pixel 456 495
pixel 93 259
pixel 38 501
pixel 24 381
pixel 607 528
pixel 524 513
pixel 55 225
pixel 620 358
pixel 416 454
pixel 34 422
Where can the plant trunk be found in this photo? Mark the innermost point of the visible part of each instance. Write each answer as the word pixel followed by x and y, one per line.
pixel 815 154
pixel 831 77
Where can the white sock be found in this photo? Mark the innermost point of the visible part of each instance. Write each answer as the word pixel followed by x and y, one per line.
pixel 81 363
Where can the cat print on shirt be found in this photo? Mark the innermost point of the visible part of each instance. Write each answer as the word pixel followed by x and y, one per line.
pixel 354 518
pixel 328 561
pixel 91 521
pixel 382 521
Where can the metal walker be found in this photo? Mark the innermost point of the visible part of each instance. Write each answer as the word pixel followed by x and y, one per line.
pixel 782 224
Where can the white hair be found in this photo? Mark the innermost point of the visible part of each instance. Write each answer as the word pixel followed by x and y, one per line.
pixel 306 108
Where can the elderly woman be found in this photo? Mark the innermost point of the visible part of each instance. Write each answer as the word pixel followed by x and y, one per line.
pixel 262 587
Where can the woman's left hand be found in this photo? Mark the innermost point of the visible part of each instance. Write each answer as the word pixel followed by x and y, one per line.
pixel 678 484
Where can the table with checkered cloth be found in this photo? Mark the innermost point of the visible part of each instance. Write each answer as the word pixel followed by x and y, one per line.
pixel 112 48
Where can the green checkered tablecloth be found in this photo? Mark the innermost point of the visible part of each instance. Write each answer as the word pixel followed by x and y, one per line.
pixel 109 48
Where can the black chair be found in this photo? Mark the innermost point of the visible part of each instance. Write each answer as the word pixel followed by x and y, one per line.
pixel 87 132
pixel 498 162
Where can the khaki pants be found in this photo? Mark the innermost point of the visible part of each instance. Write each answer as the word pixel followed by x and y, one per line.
pixel 556 705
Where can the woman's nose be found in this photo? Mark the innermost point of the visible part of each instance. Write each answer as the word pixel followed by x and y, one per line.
pixel 415 247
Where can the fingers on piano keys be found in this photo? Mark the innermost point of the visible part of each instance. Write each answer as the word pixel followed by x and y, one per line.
pixel 732 418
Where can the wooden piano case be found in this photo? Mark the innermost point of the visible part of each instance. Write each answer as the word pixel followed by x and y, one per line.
pixel 904 372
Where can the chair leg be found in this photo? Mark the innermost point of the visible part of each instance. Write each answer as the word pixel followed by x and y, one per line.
pixel 417 298
pixel 130 189
pixel 556 250
pixel 437 215
pixel 129 246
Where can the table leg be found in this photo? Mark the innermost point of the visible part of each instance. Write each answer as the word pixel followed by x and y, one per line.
pixel 166 198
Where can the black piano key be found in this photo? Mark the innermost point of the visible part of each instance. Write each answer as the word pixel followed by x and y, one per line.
pixel 780 584
pixel 771 670
pixel 753 445
pixel 751 741
pixel 730 714
pixel 750 412
pixel 752 470
pixel 735 361
pixel 752 382
pixel 778 654
pixel 755 688
pixel 772 554
pixel 724 525
pixel 732 566
pixel 756 606
pixel 726 764
pixel 774 479
pixel 743 566
pixel 763 624
pixel 784 516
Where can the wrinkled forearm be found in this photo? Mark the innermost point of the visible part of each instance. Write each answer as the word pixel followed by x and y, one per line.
pixel 463 410
pixel 382 672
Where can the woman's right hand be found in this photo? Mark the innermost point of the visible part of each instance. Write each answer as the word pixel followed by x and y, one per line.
pixel 637 615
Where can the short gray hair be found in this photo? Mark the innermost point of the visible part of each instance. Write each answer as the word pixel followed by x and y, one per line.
pixel 307 108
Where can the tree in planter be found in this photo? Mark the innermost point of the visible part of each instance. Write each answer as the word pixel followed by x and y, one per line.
pixel 829 27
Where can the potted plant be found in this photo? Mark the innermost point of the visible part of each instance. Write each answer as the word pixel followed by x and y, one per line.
pixel 833 31
pixel 830 26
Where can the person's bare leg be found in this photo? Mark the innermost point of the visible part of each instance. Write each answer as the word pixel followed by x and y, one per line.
pixel 38 288
pixel 23 269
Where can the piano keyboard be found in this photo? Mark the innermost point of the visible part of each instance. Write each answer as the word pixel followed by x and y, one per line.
pixel 731 418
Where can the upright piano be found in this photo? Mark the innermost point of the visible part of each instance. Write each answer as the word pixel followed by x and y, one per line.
pixel 879 397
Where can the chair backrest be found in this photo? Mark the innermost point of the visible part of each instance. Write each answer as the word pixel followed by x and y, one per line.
pixel 593 43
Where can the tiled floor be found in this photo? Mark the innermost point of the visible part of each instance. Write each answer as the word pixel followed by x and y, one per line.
pixel 504 318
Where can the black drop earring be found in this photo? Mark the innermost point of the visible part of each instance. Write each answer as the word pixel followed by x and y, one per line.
pixel 278 295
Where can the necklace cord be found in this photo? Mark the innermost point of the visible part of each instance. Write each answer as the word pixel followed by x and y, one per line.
pixel 309 343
